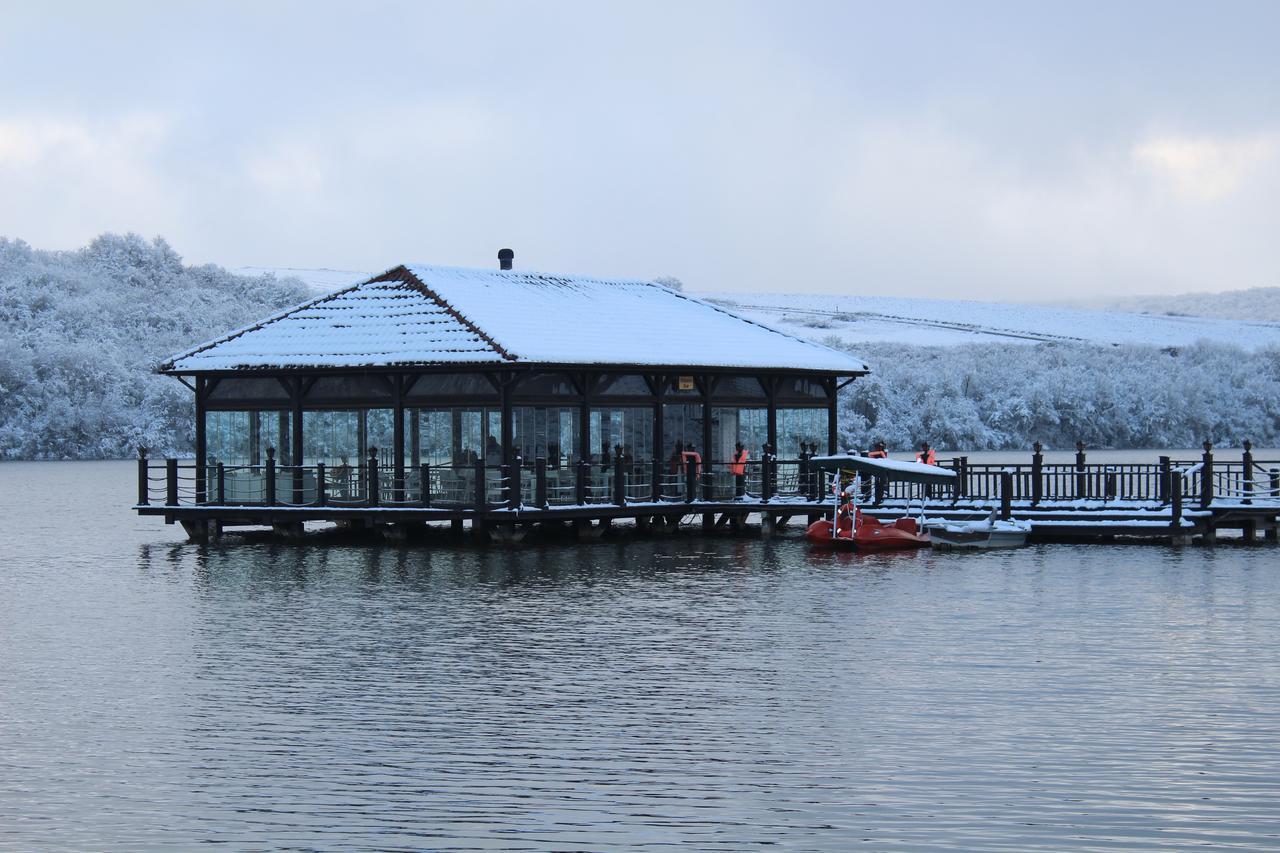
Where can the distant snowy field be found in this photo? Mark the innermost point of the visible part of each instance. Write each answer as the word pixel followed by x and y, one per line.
pixel 930 322
pixel 944 322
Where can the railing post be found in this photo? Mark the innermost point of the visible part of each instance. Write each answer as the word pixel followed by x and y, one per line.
pixel 374 496
pixel 1109 492
pixel 1006 494
pixel 619 488
pixel 1082 481
pixel 171 482
pixel 767 483
pixel 514 496
pixel 580 486
pixel 1206 476
pixel 144 490
pixel 481 497
pixel 222 484
pixel 804 469
pixel 957 468
pixel 1248 472
pixel 297 482
pixel 814 484
pixel 540 482
pixel 322 488
pixel 656 490
pixel 964 476
pixel 1037 473
pixel 270 474
pixel 1165 474
pixel 424 484
pixel 1175 499
pixel 690 480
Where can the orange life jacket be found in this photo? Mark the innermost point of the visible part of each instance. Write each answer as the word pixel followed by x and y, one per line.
pixel 738 466
pixel 927 458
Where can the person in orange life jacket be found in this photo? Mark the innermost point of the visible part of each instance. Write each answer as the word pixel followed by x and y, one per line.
pixel 738 468
pixel 689 453
pixel 867 482
pixel 926 457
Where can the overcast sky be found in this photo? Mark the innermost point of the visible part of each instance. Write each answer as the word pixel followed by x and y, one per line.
pixel 1003 151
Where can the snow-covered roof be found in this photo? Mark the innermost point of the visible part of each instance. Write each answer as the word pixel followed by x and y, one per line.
pixel 430 315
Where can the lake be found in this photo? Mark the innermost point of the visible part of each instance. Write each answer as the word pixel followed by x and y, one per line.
pixel 717 693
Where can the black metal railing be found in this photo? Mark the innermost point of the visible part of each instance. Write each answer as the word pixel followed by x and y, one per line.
pixel 534 484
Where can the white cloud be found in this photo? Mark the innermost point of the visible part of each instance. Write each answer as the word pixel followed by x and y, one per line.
pixel 1206 168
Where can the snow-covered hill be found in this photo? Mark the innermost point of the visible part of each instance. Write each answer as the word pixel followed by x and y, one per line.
pixel 945 322
pixel 320 281
pixel 935 322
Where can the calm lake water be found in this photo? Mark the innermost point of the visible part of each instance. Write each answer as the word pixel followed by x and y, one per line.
pixel 716 693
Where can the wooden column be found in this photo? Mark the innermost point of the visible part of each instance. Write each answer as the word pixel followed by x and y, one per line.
pixel 397 441
pixel 833 425
pixel 296 398
pixel 1006 494
pixel 508 424
pixel 295 455
pixel 770 384
pixel 659 437
pixel 584 421
pixel 1166 471
pixel 201 441
pixel 706 423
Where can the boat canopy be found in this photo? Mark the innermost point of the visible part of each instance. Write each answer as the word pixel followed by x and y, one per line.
pixel 892 469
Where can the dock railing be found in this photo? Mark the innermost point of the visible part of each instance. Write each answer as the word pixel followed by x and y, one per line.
pixel 533 484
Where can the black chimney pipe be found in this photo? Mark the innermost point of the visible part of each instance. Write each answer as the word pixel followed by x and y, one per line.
pixel 505 257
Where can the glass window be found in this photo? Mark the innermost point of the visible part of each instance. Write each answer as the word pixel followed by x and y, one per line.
pixel 628 427
pixel 258 389
pixel 681 428
pixel 344 437
pixel 242 438
pixel 359 387
pixel 801 388
pixel 797 426
pixel 545 385
pixel 730 425
pixel 738 387
pixel 551 432
pixel 624 385
pixel 451 385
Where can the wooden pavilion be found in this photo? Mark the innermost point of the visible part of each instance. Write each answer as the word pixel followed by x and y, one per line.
pixel 427 374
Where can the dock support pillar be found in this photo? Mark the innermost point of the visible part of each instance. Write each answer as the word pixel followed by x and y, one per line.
pixel 196 530
pixel 768 525
pixel 1210 536
pixel 1250 530
pixel 290 530
pixel 1006 494
pixel 1271 532
pixel 708 522
pixel 456 527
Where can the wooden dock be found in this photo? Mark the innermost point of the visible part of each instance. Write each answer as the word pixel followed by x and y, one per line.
pixel 1171 500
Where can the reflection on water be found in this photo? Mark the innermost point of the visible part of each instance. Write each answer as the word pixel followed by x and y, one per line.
pixel 718 693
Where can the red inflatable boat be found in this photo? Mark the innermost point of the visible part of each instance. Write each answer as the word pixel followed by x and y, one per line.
pixel 862 532
pixel 868 534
